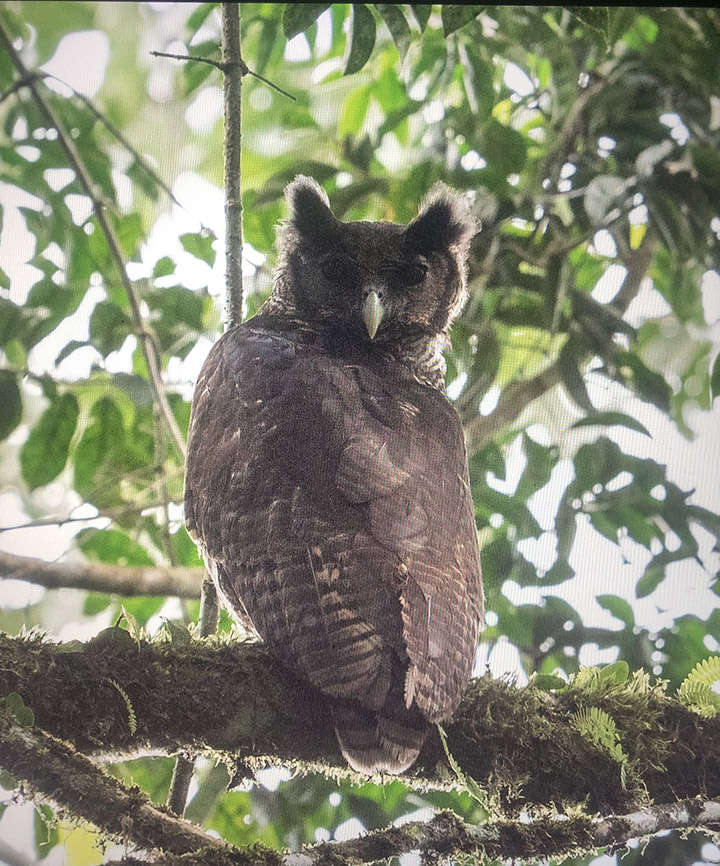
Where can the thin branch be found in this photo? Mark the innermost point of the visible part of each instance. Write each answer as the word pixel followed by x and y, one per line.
pixel 209 608
pixel 481 429
pixel 99 577
pixel 76 162
pixel 573 124
pixel 223 67
pixel 20 83
pixel 233 64
pixel 446 835
pixel 190 58
pixel 180 784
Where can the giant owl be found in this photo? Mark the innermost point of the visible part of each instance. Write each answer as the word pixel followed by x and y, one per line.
pixel 327 483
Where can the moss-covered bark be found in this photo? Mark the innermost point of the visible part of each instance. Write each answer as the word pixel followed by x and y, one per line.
pixel 116 695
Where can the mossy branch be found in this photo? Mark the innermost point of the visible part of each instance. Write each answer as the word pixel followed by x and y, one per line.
pixel 236 702
pixel 58 772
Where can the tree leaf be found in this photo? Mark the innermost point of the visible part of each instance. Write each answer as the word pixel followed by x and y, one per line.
pixel 504 148
pixel 362 38
pixel 548 682
pixel 615 673
pixel 45 830
pixel 618 607
pixel 109 326
pixel 101 436
pixel 649 582
pixel 649 385
pixel 23 715
pixel 541 459
pixel 297 17
pixel 572 379
pixel 454 16
pixel 113 547
pixel 199 245
pixel 612 419
pixel 163 267
pixel 199 16
pixel 10 403
pixel 69 348
pixel 422 13
pixel 45 452
pixel 392 15
pixel 715 379
pixel 478 81
pixel 179 634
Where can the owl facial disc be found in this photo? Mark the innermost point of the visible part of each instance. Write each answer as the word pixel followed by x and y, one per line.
pixel 372 313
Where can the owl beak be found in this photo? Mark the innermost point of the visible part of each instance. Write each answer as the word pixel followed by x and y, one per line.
pixel 372 313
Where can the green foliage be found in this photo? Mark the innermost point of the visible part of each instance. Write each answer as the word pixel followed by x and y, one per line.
pixel 589 140
pixel 699 689
pixel 132 718
pixel 15 707
pixel 45 452
pixel 595 725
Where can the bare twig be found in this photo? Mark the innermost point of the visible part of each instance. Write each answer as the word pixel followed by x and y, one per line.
pixel 218 64
pixel 99 577
pixel 180 784
pixel 143 332
pixel 20 83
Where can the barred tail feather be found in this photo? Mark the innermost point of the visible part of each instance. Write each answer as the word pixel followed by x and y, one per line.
pixel 388 741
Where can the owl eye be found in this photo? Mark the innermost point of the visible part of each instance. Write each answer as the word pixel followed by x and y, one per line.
pixel 412 275
pixel 336 270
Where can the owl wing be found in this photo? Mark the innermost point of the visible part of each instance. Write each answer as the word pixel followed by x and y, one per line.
pixel 427 522
pixel 333 504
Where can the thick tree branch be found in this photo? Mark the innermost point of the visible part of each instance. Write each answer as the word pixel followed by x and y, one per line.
pixel 448 836
pixel 76 162
pixel 98 577
pixel 58 772
pixel 237 701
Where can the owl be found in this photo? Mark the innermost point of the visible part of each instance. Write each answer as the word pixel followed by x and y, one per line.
pixel 327 483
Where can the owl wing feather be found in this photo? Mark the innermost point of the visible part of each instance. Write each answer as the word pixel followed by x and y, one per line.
pixel 332 500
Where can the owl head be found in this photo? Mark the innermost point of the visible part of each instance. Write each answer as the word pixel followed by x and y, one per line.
pixel 375 282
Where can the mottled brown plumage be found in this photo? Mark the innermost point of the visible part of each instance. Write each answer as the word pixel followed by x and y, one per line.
pixel 327 483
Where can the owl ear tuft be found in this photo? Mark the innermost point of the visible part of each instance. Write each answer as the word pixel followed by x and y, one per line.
pixel 444 221
pixel 309 207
